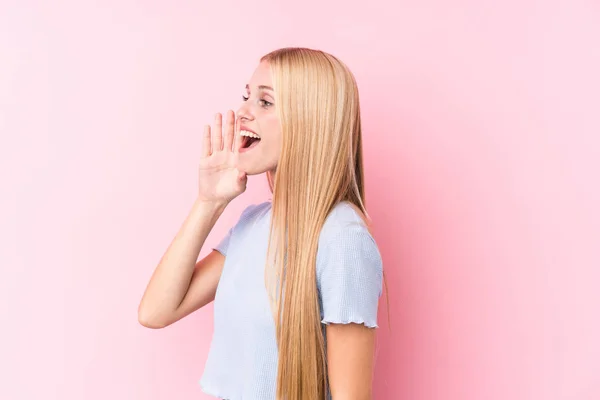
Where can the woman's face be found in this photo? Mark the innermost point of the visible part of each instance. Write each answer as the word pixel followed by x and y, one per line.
pixel 257 114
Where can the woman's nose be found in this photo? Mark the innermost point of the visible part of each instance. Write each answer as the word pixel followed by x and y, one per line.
pixel 244 112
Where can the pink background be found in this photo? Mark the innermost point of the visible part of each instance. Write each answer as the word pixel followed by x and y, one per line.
pixel 481 125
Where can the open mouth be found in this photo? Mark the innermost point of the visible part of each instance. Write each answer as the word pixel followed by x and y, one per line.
pixel 249 140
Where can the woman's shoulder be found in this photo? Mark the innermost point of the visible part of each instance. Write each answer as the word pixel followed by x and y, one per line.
pixel 349 268
pixel 345 217
pixel 249 216
pixel 254 210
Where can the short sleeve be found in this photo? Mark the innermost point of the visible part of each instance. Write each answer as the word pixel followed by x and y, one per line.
pixel 223 245
pixel 350 277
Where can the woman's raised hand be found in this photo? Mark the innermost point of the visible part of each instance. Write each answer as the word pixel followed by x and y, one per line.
pixel 219 180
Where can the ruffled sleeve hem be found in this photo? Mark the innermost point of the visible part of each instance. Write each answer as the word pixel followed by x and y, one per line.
pixel 355 320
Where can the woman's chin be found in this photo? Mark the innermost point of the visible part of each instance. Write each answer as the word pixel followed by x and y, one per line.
pixel 252 169
pixel 255 165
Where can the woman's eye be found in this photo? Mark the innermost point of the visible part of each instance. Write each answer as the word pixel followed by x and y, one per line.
pixel 262 102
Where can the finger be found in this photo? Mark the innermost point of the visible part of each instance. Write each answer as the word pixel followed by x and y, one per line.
pixel 218 133
pixel 238 138
pixel 206 142
pixel 229 130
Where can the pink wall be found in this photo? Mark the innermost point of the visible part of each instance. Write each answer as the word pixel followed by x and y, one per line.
pixel 481 124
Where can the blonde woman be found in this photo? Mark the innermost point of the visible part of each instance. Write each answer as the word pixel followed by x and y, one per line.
pixel 296 281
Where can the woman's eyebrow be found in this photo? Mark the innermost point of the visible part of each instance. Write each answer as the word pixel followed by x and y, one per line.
pixel 264 87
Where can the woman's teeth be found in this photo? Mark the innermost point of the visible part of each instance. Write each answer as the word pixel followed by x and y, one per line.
pixel 250 134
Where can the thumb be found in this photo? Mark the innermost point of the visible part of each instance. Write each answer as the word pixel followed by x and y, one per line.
pixel 238 173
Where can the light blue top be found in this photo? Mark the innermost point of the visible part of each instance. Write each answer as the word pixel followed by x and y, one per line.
pixel 242 360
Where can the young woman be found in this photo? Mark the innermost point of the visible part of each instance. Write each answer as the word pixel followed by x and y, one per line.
pixel 296 281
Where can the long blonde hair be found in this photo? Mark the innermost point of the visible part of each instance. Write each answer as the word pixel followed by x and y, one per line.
pixel 321 164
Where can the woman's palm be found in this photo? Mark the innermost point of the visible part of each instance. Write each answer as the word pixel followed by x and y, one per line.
pixel 218 176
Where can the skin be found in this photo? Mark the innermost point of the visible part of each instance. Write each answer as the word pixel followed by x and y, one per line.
pixel 257 113
pixel 350 347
